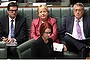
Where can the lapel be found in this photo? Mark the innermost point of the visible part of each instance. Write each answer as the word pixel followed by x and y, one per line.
pixel 7 25
pixel 71 23
pixel 16 24
pixel 85 27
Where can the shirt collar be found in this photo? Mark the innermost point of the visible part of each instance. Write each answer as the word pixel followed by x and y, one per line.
pixel 79 19
pixel 12 19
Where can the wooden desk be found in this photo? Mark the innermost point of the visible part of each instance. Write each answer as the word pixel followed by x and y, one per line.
pixel 88 58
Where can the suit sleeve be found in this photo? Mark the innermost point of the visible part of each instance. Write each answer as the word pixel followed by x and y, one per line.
pixel 63 28
pixel 3 27
pixel 21 35
pixel 1 31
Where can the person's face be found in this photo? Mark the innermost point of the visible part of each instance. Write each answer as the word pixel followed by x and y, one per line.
pixel 78 11
pixel 47 33
pixel 12 12
pixel 42 13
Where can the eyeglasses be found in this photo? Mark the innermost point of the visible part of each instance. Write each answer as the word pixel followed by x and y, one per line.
pixel 13 10
pixel 78 10
pixel 47 32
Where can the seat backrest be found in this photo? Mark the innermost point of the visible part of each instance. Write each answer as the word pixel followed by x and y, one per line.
pixel 24 50
pixel 56 12
pixel 3 50
pixel 30 13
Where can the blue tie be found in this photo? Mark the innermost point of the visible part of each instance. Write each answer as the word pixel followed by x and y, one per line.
pixel 12 29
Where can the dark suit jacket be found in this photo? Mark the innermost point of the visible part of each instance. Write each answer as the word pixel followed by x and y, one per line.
pixel 68 22
pixel 20 28
pixel 39 49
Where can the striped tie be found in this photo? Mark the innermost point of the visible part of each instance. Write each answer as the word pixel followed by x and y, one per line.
pixel 78 28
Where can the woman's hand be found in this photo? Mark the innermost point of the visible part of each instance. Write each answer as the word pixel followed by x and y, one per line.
pixel 65 48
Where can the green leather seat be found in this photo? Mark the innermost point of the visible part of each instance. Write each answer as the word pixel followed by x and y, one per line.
pixel 69 54
pixel 24 50
pixel 31 12
pixel 3 50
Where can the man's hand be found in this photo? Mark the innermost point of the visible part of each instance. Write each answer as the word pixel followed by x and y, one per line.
pixel 5 39
pixel 11 40
pixel 8 41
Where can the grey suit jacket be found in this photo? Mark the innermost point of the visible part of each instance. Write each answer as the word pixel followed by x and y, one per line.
pixel 68 22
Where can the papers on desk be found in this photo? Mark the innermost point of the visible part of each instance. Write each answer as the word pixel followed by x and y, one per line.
pixel 58 47
pixel 38 4
pixel 4 0
pixel 6 3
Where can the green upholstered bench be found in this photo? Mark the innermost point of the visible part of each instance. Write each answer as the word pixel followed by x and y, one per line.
pixel 57 12
pixel 24 50
pixel 3 50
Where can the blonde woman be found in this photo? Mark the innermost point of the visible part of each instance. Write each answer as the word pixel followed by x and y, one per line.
pixel 43 16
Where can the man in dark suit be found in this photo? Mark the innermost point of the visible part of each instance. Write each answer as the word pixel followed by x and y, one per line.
pixel 75 31
pixel 12 29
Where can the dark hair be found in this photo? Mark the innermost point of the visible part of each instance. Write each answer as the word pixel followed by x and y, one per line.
pixel 44 26
pixel 12 4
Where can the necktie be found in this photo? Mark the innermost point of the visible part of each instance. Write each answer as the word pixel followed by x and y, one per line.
pixel 12 29
pixel 78 28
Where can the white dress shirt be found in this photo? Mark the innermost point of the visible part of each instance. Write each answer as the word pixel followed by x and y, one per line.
pixel 9 36
pixel 74 33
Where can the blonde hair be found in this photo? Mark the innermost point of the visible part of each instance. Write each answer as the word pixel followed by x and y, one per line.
pixel 42 6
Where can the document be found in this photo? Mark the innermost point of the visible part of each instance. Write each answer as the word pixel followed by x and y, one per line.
pixel 57 47
pixel 6 3
pixel 75 38
pixel 38 4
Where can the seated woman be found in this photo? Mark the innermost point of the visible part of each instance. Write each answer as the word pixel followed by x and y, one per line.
pixel 43 46
pixel 43 14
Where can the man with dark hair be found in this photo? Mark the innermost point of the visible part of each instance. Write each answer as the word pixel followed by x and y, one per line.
pixel 12 29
